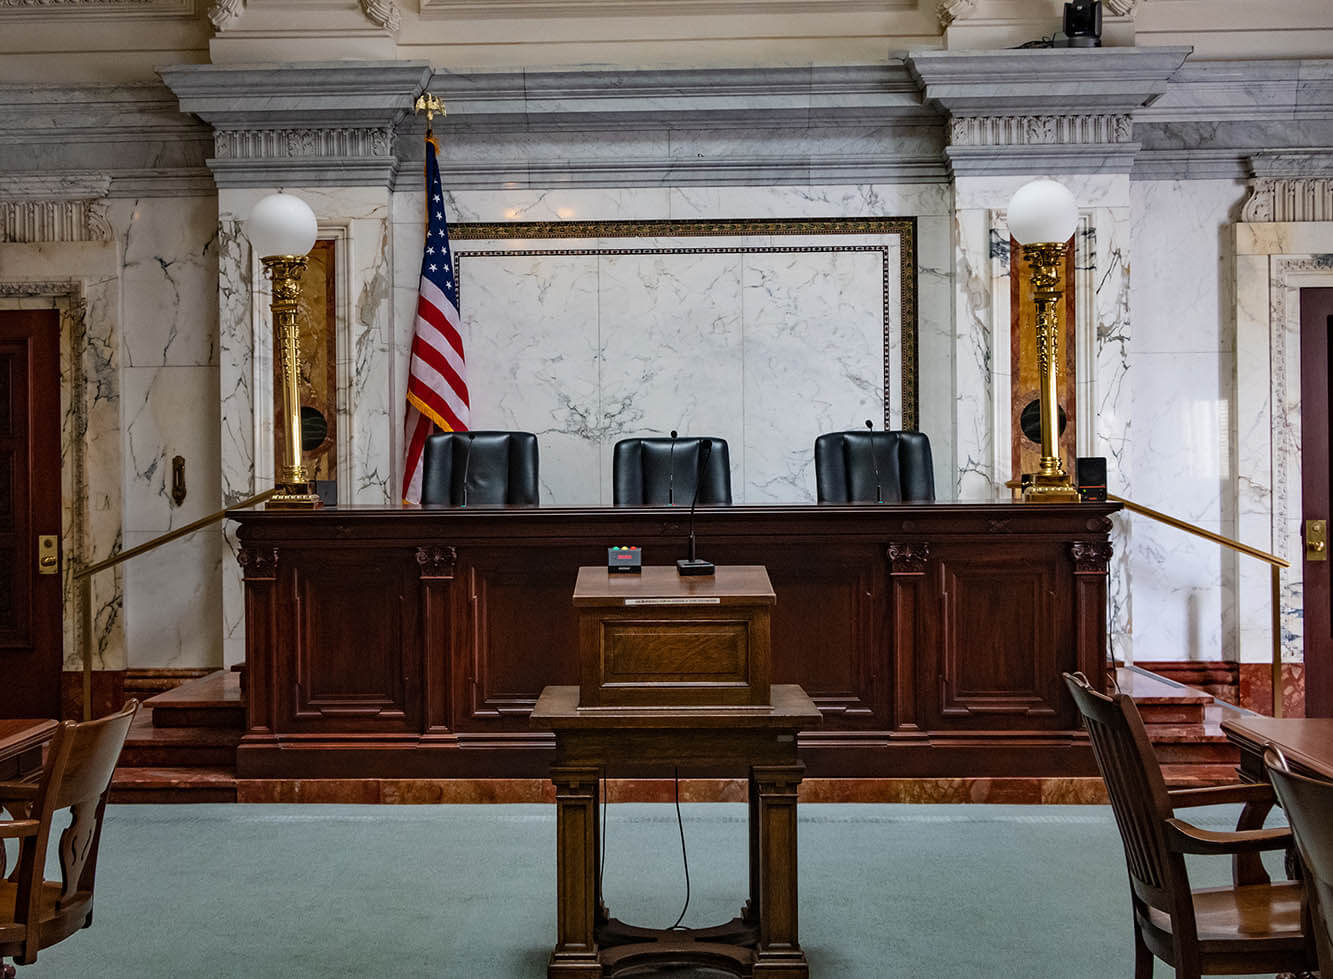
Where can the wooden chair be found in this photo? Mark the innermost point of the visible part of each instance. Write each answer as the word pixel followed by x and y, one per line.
pixel 36 913
pixel 1250 928
pixel 1308 803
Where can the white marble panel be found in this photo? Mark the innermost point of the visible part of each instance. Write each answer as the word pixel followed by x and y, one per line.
pixel 813 362
pixel 169 411
pixel 169 253
pixel 973 469
pixel 173 602
pixel 847 201
pixel 1183 275
pixel 530 330
pixel 671 351
pixel 935 348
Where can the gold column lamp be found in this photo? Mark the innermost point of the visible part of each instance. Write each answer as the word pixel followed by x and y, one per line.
pixel 1042 216
pixel 282 230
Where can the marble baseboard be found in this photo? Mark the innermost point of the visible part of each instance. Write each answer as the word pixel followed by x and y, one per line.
pixel 1256 688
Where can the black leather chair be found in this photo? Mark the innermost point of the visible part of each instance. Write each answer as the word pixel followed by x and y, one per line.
pixel 474 468
pixel 661 471
pixel 874 467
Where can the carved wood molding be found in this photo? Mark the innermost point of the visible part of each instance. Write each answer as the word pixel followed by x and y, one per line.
pixel 908 557
pixel 437 561
pixel 258 563
pixel 1090 557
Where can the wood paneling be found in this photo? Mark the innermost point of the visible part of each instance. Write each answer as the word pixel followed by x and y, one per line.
pixel 409 643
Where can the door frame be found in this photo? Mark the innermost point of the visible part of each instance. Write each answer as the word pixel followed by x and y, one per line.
pixel 86 294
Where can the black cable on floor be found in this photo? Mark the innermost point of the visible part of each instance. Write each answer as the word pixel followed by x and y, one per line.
pixel 684 858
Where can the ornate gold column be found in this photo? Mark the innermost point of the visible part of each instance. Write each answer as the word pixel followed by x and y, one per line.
pixel 1050 484
pixel 285 273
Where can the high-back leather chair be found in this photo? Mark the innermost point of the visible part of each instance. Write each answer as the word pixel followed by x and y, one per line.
pixel 661 471
pixel 34 912
pixel 1308 803
pixel 473 468
pixel 1253 927
pixel 862 466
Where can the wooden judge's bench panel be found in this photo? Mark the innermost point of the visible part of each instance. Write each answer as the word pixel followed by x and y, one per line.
pixel 414 643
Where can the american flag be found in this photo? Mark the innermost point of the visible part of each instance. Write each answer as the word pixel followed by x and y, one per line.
pixel 436 382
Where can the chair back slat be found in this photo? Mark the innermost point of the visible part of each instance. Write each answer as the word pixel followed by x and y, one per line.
pixel 88 753
pixel 1134 785
pixel 1308 803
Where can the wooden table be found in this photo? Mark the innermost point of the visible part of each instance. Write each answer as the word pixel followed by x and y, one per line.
pixel 21 740
pixel 1306 741
pixel 762 940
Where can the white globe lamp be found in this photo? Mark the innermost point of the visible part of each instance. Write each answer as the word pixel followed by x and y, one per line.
pixel 281 225
pixel 1041 211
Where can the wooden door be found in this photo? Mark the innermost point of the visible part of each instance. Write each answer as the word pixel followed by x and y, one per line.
pixel 1316 431
pixel 30 630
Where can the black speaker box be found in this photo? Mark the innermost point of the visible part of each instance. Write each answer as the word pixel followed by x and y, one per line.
pixel 1090 475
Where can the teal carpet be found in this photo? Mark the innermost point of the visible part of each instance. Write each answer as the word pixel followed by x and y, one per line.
pixel 468 891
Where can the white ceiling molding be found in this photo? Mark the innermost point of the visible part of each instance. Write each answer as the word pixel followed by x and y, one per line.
pixel 98 9
pixel 648 8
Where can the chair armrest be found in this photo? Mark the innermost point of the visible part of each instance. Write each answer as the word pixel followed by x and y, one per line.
pixel 1217 794
pixel 20 791
pixel 1183 837
pixel 14 829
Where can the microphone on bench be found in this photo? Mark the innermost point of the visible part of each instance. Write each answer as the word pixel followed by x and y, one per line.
pixel 692 565
pixel 671 470
pixel 874 464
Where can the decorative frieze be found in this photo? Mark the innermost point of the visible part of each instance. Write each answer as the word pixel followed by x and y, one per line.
pixel 42 209
pixel 1291 185
pixel 382 13
pixel 224 13
pixel 268 144
pixel 1043 130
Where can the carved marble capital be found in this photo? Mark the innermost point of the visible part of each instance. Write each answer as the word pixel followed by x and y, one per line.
pixel 949 11
pixel 436 561
pixel 258 563
pixel 225 13
pixel 1121 8
pixel 42 209
pixel 382 13
pixel 1289 199
pixel 908 557
pixel 1090 557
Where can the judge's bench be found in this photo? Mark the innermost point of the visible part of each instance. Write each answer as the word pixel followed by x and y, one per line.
pixel 414 643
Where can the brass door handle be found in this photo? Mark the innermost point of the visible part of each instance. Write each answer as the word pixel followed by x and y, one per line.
pixel 1316 540
pixel 48 554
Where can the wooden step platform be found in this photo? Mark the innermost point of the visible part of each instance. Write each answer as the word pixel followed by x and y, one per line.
pixel 182 748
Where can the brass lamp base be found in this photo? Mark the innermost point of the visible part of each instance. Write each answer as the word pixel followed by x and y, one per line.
pixel 1039 488
pixel 294 496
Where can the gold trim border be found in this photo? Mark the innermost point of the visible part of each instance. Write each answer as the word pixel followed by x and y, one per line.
pixel 904 228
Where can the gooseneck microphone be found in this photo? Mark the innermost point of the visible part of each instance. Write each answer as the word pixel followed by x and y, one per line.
pixel 671 470
pixel 874 464
pixel 467 461
pixel 692 565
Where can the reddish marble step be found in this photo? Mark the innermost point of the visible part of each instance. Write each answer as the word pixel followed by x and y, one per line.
pixel 210 701
pixel 166 785
pixel 1161 701
pixel 178 747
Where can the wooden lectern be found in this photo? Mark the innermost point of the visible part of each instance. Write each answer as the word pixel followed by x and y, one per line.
pixel 675 672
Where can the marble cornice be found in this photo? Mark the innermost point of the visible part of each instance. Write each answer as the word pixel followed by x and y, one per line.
pixel 1291 185
pixel 42 208
pixel 298 95
pixel 1059 81
pixel 320 123
pixel 134 134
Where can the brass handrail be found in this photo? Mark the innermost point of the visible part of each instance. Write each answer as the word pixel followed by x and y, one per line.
pixel 86 591
pixel 1275 563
